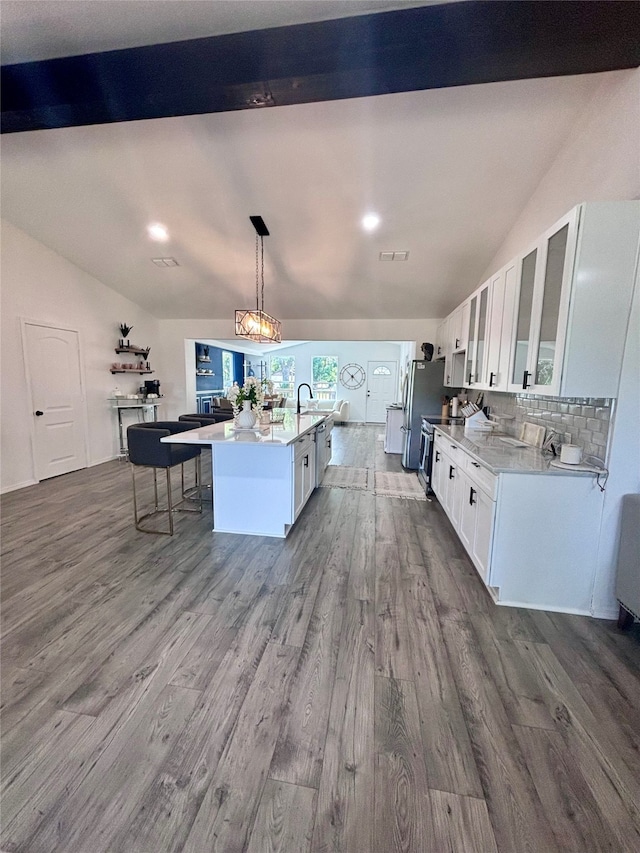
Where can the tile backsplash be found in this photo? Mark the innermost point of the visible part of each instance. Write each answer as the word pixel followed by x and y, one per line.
pixel 585 419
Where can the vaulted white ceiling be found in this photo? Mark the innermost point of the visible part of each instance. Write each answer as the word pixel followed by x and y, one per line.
pixel 448 171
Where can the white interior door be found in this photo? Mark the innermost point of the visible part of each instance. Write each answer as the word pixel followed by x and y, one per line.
pixel 52 358
pixel 382 390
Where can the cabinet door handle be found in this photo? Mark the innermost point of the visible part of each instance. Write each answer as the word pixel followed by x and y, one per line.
pixel 451 470
pixel 306 461
pixel 472 496
pixel 470 377
pixel 437 455
pixel 525 380
pixel 453 447
pixel 447 382
pixel 457 343
pixel 439 350
pixel 491 375
pixel 476 464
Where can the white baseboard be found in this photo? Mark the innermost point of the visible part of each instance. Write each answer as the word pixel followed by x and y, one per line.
pixel 16 486
pixel 610 613
pixel 92 464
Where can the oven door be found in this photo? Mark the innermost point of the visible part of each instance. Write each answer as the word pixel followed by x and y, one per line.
pixel 426 439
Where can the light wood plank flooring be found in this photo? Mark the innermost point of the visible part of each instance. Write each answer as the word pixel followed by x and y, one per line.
pixel 349 689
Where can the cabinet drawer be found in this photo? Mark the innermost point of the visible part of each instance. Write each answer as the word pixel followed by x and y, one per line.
pixel 481 476
pixel 303 445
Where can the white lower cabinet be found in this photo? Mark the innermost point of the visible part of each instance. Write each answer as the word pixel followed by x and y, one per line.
pixel 471 510
pixel 484 509
pixel 533 538
pixel 304 472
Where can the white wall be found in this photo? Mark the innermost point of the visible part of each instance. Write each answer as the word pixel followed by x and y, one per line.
pixel 600 161
pixel 38 284
pixel 347 352
pixel 624 466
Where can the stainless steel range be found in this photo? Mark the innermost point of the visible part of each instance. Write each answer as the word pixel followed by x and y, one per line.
pixel 425 464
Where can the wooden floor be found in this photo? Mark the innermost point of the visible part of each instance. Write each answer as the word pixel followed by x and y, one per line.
pixel 351 688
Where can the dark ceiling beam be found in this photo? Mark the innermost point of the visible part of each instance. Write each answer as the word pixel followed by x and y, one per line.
pixel 428 47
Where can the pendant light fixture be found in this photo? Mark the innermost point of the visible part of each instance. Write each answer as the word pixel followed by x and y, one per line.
pixel 256 324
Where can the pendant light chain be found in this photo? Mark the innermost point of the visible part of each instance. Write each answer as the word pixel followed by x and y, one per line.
pixel 258 325
pixel 262 271
pixel 257 282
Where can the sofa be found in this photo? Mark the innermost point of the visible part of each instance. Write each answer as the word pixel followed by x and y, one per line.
pixel 338 408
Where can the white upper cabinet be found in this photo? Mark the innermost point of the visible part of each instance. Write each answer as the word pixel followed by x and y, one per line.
pixel 458 327
pixel 501 298
pixel 554 320
pixel 541 309
pixel 477 338
pixel 440 350
pixel 571 306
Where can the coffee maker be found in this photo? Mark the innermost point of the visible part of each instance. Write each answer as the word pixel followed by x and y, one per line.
pixel 152 386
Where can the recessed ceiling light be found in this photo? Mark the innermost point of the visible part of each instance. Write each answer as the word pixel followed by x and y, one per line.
pixel 158 232
pixel 370 222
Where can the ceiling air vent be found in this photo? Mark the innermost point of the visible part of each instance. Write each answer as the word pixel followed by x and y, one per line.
pixel 165 262
pixel 394 256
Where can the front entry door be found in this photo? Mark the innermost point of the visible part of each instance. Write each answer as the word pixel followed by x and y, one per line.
pixel 381 389
pixel 53 371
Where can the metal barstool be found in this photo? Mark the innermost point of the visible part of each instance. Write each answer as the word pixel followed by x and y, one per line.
pixel 147 451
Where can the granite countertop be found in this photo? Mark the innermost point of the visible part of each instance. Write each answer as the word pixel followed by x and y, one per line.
pixel 502 458
pixel 273 435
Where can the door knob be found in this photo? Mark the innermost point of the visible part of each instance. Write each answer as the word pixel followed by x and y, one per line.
pixel 39 414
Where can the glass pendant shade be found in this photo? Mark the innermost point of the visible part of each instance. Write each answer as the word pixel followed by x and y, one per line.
pixel 258 326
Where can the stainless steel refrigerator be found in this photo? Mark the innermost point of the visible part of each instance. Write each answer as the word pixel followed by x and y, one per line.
pixel 423 393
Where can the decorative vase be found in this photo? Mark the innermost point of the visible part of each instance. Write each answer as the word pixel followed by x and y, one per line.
pixel 246 418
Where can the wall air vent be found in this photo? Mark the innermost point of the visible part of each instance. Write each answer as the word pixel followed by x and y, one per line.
pixel 394 256
pixel 165 262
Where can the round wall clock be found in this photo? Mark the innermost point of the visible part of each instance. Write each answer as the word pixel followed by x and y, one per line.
pixel 352 376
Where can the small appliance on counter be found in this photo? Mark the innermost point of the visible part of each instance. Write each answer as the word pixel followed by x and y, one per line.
pixel 478 422
pixel 152 387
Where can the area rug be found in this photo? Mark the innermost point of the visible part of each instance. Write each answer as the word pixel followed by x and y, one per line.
pixel 343 477
pixel 389 484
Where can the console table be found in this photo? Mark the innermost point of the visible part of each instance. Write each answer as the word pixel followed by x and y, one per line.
pixel 142 406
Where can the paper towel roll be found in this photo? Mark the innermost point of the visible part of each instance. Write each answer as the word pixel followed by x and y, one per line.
pixel 571 454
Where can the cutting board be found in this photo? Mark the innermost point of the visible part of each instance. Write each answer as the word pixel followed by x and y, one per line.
pixel 532 434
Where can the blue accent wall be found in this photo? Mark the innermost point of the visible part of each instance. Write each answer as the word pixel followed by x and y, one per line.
pixel 213 381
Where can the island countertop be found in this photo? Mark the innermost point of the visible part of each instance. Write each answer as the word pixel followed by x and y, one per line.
pixel 272 435
pixel 502 458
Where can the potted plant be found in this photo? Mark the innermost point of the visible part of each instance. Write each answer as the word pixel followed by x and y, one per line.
pixel 125 331
pixel 247 402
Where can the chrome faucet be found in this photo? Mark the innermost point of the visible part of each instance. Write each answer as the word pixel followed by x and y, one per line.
pixel 303 385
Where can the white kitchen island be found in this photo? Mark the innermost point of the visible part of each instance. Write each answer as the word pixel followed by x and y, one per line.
pixel 262 478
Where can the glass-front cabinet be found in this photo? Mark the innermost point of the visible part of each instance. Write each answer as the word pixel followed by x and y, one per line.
pixel 553 320
pixel 520 345
pixel 477 338
pixel 547 345
pixel 540 316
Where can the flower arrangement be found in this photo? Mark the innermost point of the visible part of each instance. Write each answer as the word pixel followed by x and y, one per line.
pixel 251 391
